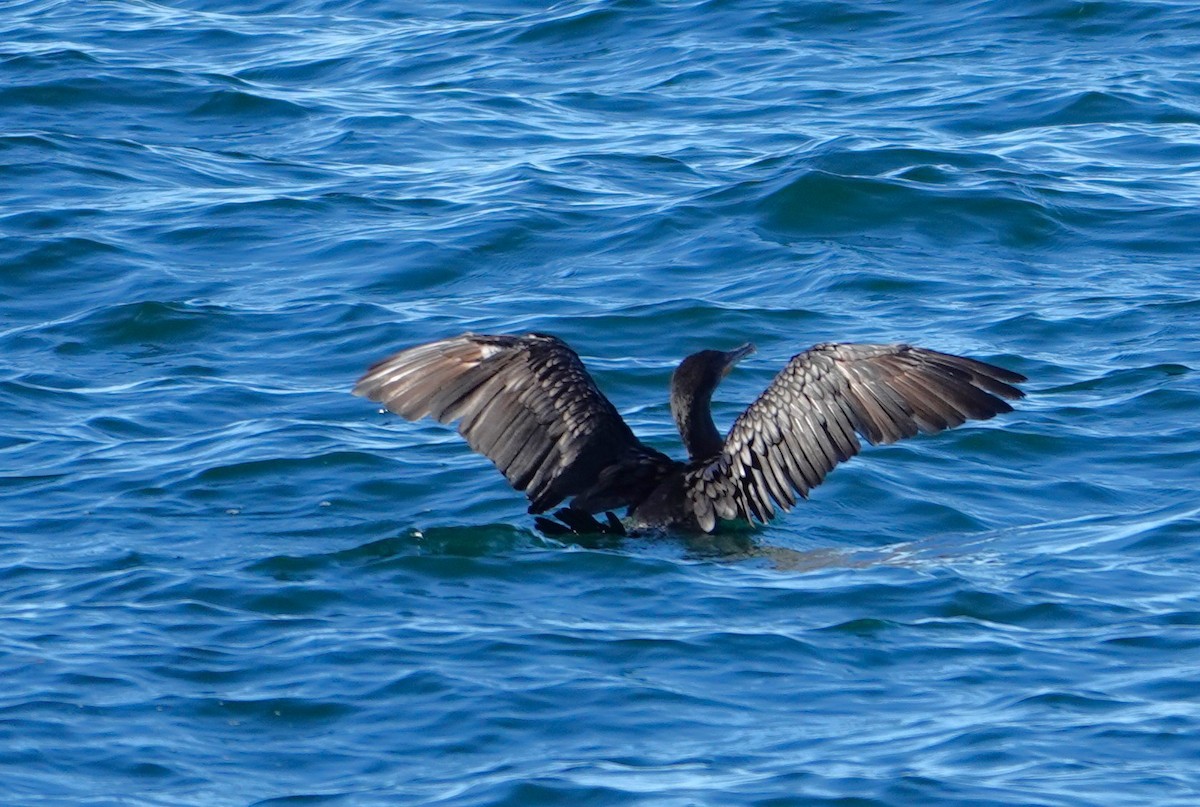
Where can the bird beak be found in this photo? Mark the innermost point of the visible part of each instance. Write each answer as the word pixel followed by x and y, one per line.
pixel 736 355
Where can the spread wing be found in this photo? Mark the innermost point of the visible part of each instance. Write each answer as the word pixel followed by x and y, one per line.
pixel 528 405
pixel 805 422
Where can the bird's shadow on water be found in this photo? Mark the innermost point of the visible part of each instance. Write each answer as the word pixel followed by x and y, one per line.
pixel 732 547
pixel 736 544
pixel 746 545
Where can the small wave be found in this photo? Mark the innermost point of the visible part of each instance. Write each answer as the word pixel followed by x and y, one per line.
pixel 821 204
pixel 239 104
pixel 1027 110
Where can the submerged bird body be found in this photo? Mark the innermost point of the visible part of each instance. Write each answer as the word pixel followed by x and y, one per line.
pixel 529 405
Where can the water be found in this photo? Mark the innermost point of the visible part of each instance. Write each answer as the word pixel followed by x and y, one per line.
pixel 224 580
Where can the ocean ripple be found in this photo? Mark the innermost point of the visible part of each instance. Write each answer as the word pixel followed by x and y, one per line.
pixel 220 573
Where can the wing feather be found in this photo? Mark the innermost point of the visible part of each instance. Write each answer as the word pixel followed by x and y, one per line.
pixel 806 421
pixel 525 402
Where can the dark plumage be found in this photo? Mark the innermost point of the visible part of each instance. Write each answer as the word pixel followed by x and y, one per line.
pixel 528 404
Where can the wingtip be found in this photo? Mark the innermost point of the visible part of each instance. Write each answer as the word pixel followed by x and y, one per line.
pixel 364 388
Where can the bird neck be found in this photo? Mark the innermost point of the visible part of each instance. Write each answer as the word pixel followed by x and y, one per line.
pixel 693 418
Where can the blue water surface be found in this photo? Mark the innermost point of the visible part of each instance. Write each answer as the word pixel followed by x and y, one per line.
pixel 225 580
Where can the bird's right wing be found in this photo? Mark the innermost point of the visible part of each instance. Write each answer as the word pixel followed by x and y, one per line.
pixel 526 403
pixel 805 422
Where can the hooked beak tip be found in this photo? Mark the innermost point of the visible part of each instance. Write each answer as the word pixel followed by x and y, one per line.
pixel 742 352
pixel 737 354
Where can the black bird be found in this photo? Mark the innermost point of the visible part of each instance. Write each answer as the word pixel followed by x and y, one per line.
pixel 528 405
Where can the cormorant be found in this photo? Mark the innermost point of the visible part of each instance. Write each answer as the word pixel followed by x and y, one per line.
pixel 528 405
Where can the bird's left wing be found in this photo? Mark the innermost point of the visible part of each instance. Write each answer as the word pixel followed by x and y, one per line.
pixel 805 422
pixel 526 403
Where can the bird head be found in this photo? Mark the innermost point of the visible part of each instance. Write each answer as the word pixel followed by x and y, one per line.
pixel 699 374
